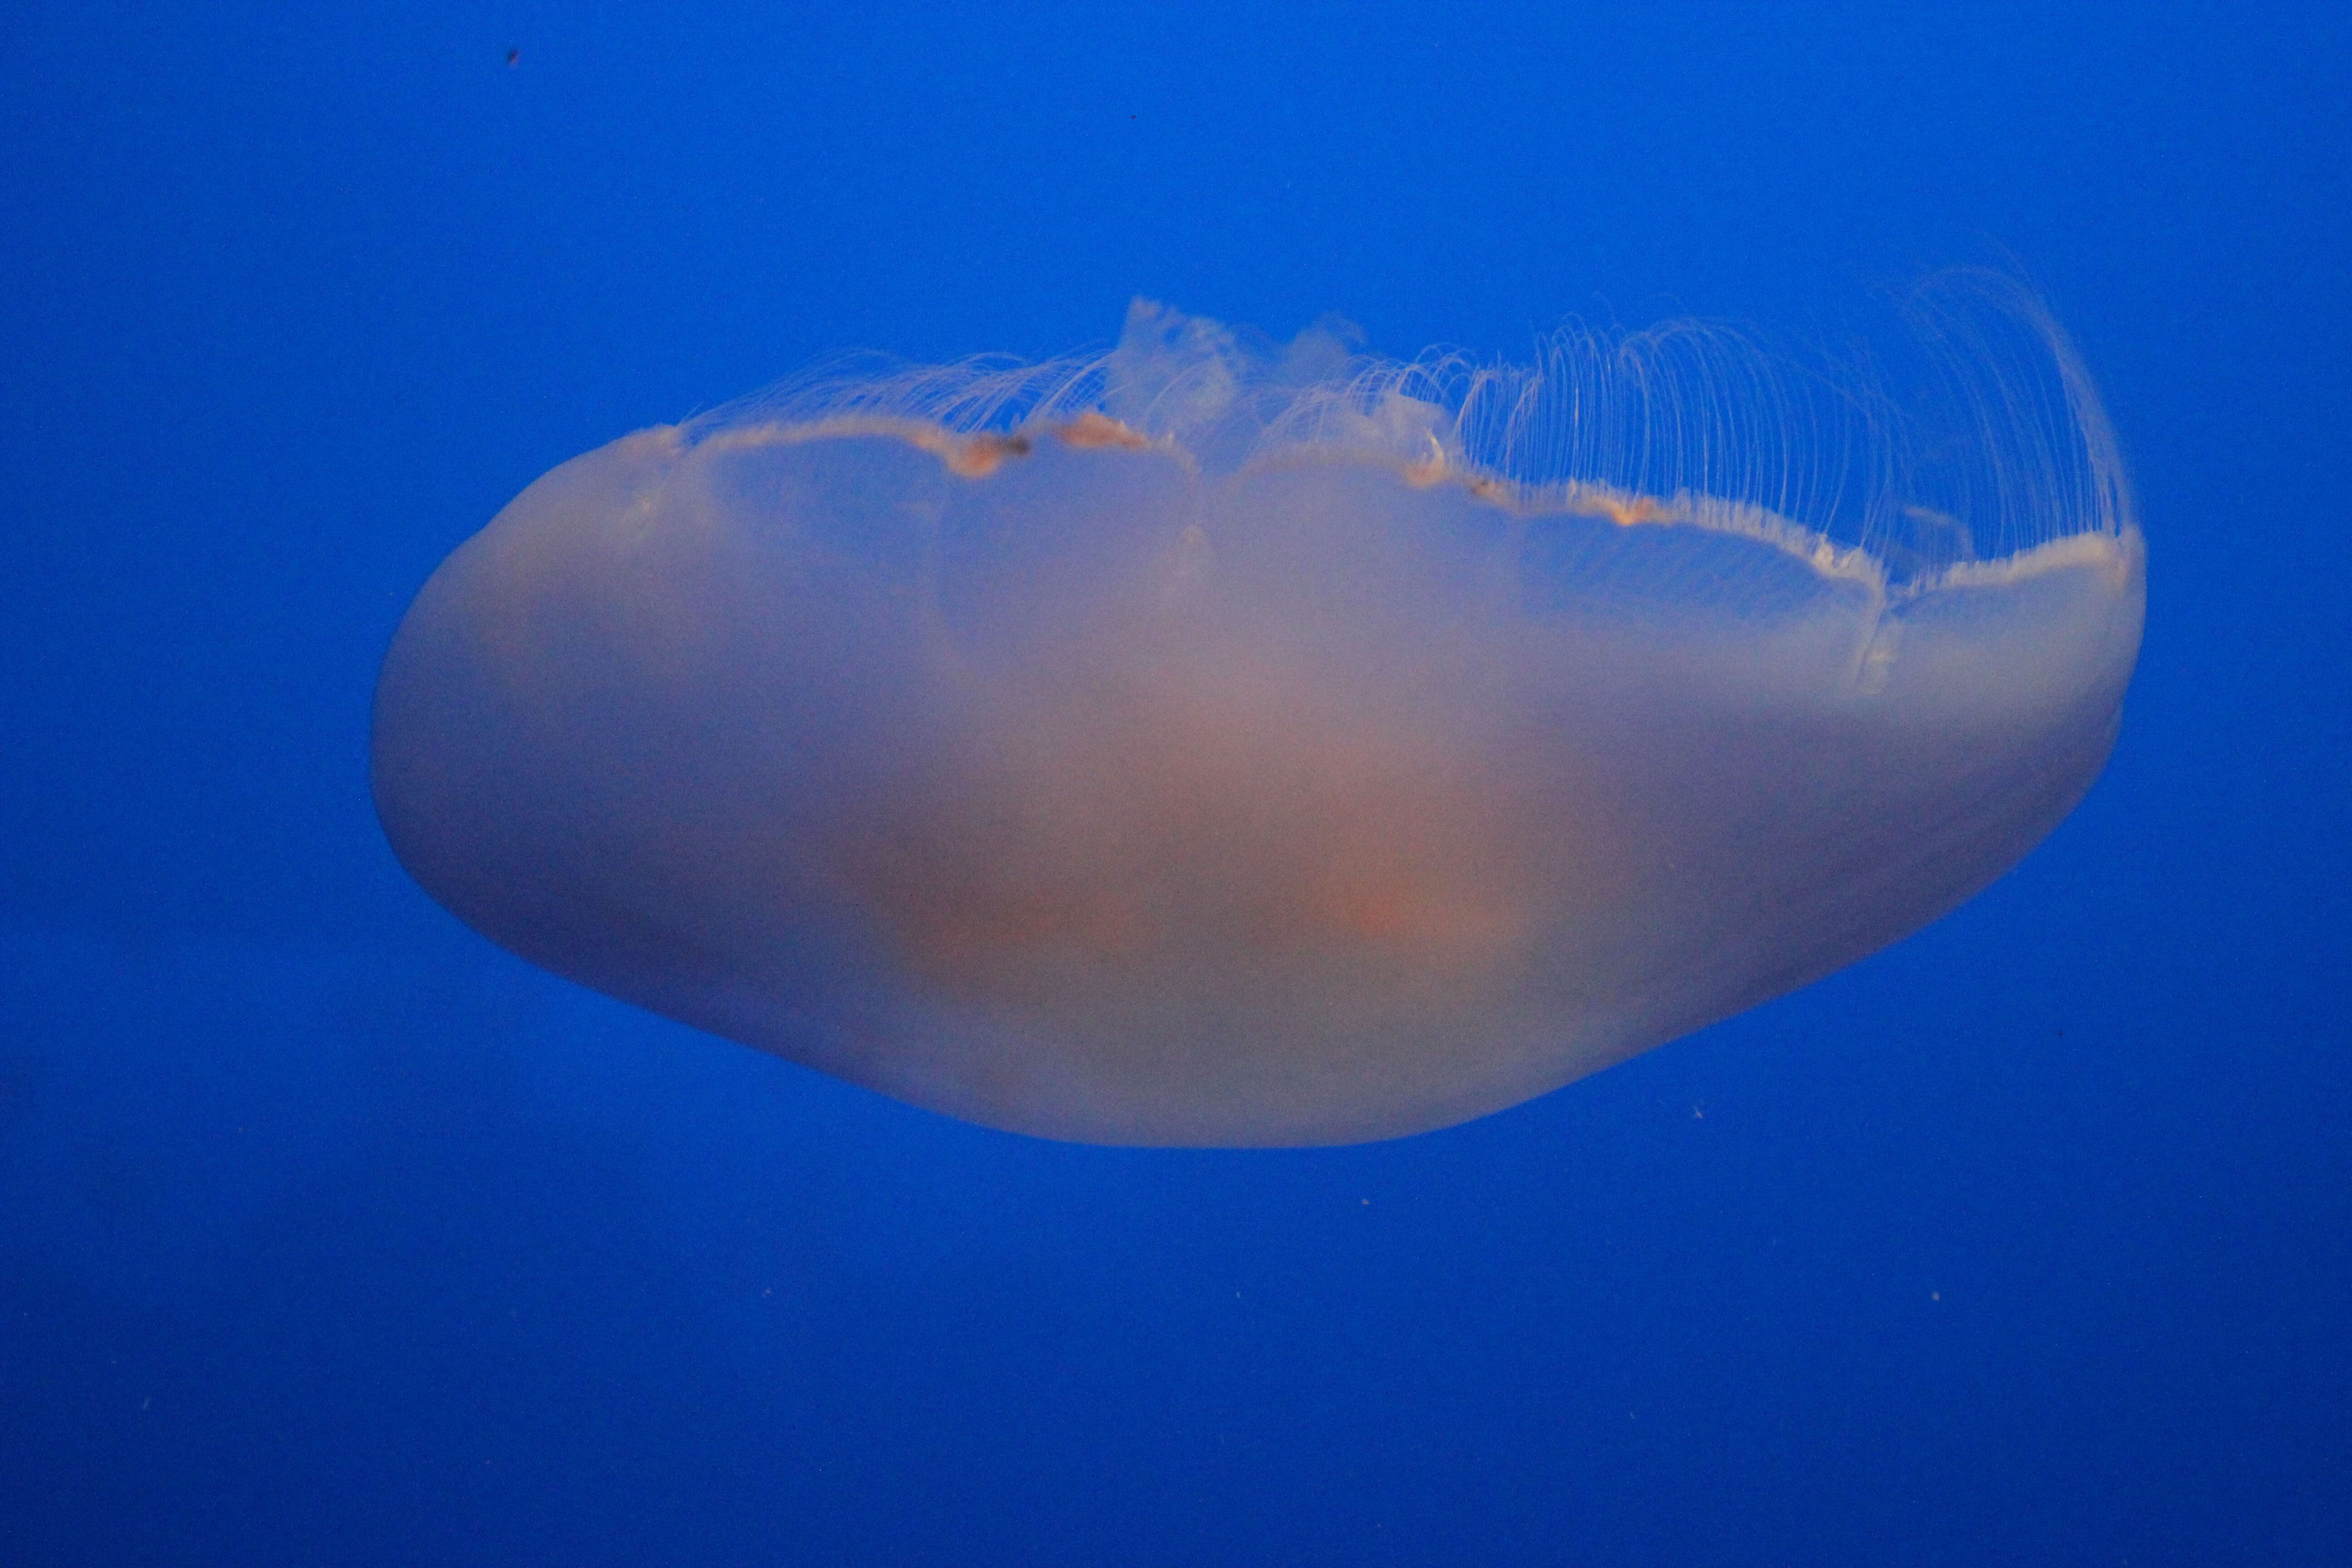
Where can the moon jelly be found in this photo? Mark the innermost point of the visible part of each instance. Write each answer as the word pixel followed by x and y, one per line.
pixel 1221 742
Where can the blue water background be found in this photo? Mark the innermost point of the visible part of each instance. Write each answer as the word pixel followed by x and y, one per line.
pixel 329 1235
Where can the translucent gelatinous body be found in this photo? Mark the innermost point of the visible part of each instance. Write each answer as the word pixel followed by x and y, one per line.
pixel 1077 779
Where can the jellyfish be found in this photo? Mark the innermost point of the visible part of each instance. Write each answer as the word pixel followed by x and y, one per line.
pixel 1219 742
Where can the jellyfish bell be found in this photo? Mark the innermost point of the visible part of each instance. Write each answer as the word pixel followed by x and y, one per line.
pixel 1219 743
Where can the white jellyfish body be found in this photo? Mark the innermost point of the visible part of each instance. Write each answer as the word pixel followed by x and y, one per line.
pixel 1190 747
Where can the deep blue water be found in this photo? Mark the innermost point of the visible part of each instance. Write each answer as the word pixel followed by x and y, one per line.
pixel 331 1234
